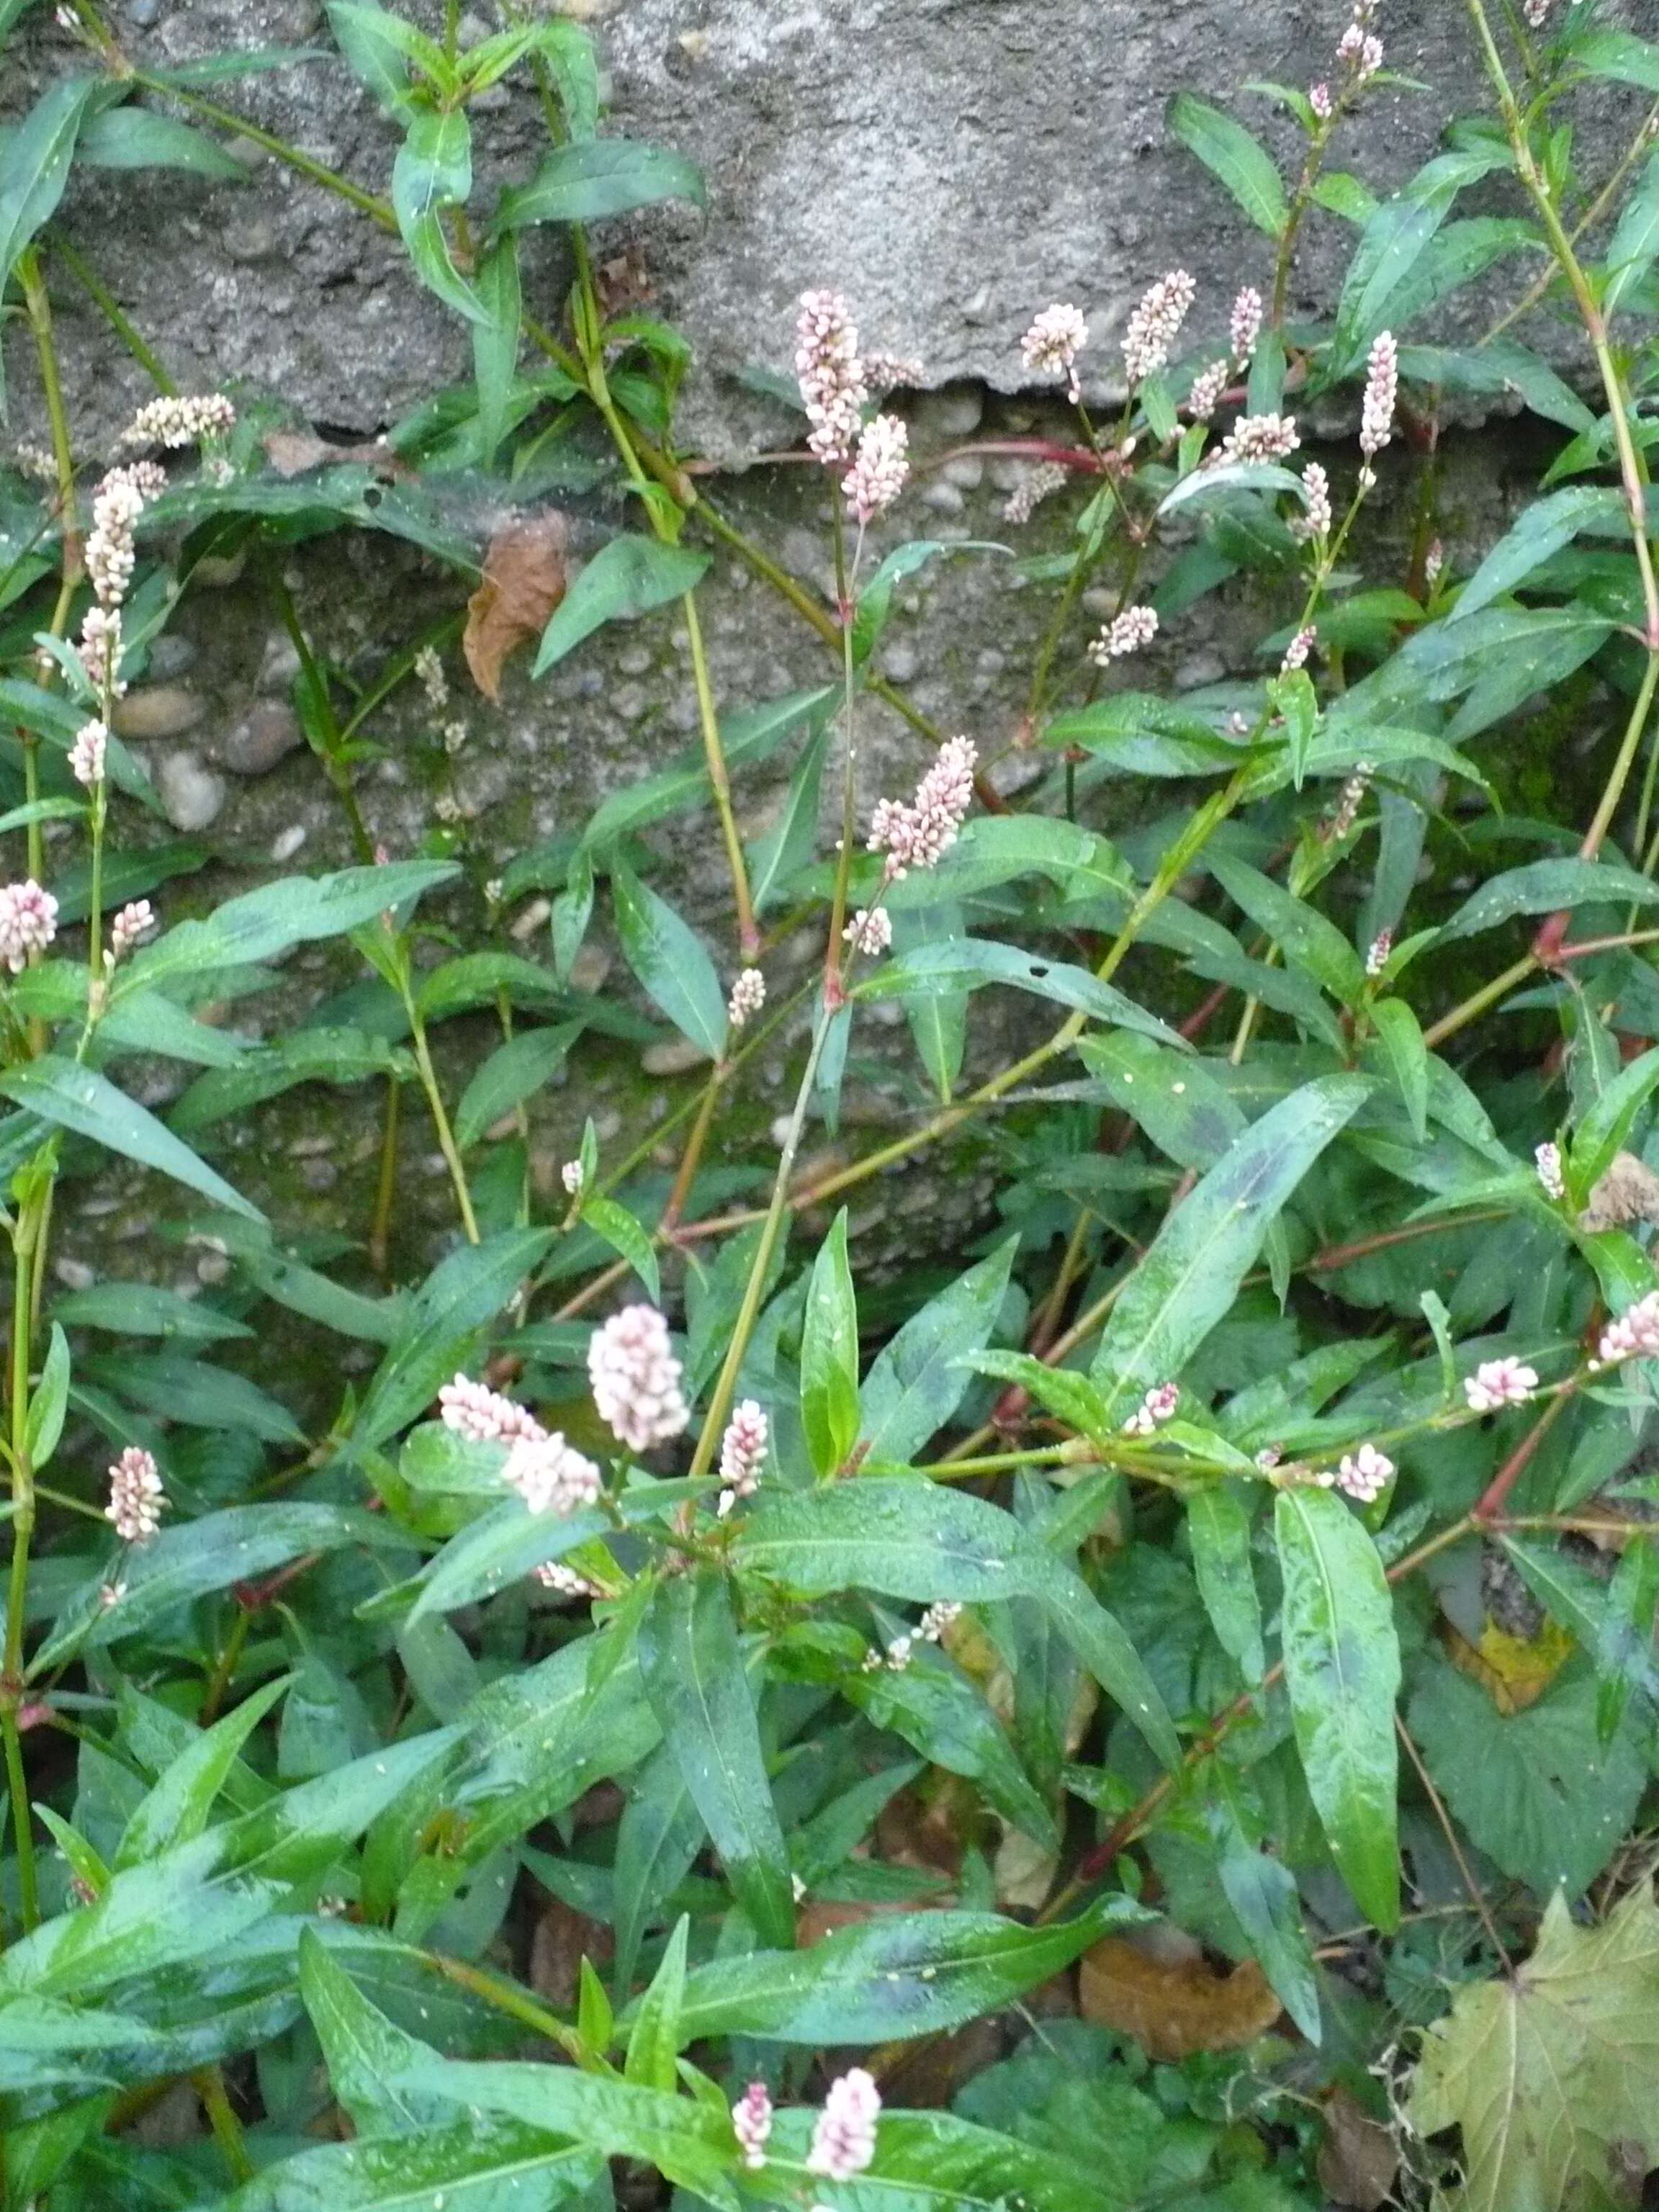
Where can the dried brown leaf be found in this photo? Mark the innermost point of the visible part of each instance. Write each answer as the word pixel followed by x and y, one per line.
pixel 1358 2160
pixel 1175 2007
pixel 524 580
pixel 1628 1192
pixel 292 453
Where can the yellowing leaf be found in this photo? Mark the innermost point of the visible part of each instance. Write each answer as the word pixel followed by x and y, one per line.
pixel 1515 1671
pixel 1174 2007
pixel 1553 2076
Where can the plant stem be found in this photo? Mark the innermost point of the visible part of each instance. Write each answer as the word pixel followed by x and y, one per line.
pixel 113 314
pixel 22 1524
pixel 714 752
pixel 385 1189
pixel 1477 1895
pixel 434 1099
pixel 1491 1498
pixel 507 1998
pixel 209 2086
pixel 378 211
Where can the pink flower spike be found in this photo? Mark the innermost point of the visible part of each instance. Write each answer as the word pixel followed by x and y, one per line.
pixel 751 2123
pixel 1633 1335
pixel 1052 344
pixel 1497 1383
pixel 1127 632
pixel 1381 394
pixel 1245 325
pixel 870 932
pixel 1155 324
pixel 29 922
pixel 832 384
pixel 1365 1475
pixel 136 1498
pixel 636 1378
pixel 844 2139
pixel 878 474
pixel 1548 1159
pixel 742 1452
pixel 918 834
pixel 550 1475
pixel 474 1410
pixel 1158 1406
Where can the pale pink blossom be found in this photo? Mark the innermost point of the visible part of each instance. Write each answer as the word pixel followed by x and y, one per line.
pixel 87 754
pixel 918 832
pixel 573 1175
pixel 832 383
pixel 550 1475
pixel 1245 326
pixel 1497 1383
pixel 554 1575
pixel 1377 957
pixel 1382 392
pixel 1158 1406
pixel 870 932
pixel 748 997
pixel 1296 651
pixel 844 2138
pixel 1034 487
pixel 879 471
pixel 100 649
pixel 1352 798
pixel 1364 1474
pixel 1316 519
pixel 1207 387
pixel 176 422
pixel 110 553
pixel 29 922
pixel 136 1496
pixel 1433 561
pixel 742 1453
pixel 1258 438
pixel 1052 344
pixel 474 1410
pixel 1547 1159
pixel 751 2123
pixel 1155 324
pixel 931 1628
pixel 1538 13
pixel 1127 632
pixel 1360 52
pixel 883 371
pixel 135 921
pixel 1319 98
pixel 636 1378
pixel 1633 1335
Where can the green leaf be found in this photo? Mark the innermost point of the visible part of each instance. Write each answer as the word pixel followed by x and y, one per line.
pixel 591 179
pixel 1228 150
pixel 919 1376
pixel 1582 1604
pixel 297 910
pixel 1263 1892
pixel 948 962
pixel 829 1355
pixel 875 601
pixel 34 165
pixel 1634 244
pixel 461 1295
pixel 907 1538
pixel 78 1099
pixel 495 344
pixel 626 577
pixel 1307 940
pixel 49 1402
pixel 514 1072
pixel 305 1056
pixel 433 172
pixel 1547 1802
pixel 1218 1529
pixel 1402 1036
pixel 145 1310
pixel 1601 1134
pixel 784 850
pixel 378 57
pixel 1544 528
pixel 134 138
pixel 659 1835
pixel 1342 1670
pixel 181 1804
pixel 623 1234
pixel 671 961
pixel 934 1706
pixel 1189 1279
pixel 753 734
pixel 892 1978
pixel 471 2162
pixel 653 2046
pixel 1541 887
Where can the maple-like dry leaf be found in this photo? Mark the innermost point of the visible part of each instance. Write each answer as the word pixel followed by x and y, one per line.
pixel 1553 2076
pixel 524 580
pixel 1174 2007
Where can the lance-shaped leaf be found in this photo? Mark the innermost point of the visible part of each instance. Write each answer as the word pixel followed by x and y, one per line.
pixel 78 1098
pixel 1228 150
pixel 1342 1670
pixel 829 1355
pixel 691 1664
pixel 671 961
pixel 597 177
pixel 918 1380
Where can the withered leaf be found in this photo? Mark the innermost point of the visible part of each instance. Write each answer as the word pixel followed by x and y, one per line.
pixel 1174 2007
pixel 1629 1191
pixel 1358 2160
pixel 524 580
pixel 293 452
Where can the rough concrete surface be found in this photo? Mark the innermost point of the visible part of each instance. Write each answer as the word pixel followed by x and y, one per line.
pixel 951 165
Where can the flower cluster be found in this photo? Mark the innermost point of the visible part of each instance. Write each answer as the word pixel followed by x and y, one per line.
pixel 1382 392
pixel 1499 1383
pixel 870 932
pixel 1377 957
pixel 554 1575
pixel 1052 344
pixel 430 674
pixel 883 371
pixel 748 997
pixel 130 926
pixel 636 1378
pixel 1359 50
pixel 919 832
pixel 136 1496
pixel 100 650
pixel 1547 1160
pixel 844 2138
pixel 1633 1335
pixel 1158 1406
pixel 1296 651
pixel 573 1176
pixel 175 422
pixel 29 922
pixel 1348 805
pixel 111 555
pixel 832 385
pixel 1433 561
pixel 1244 325
pixel 1156 324
pixel 879 472
pixel 1127 632
pixel 1316 521
pixel 36 462
pixel 1538 13
pixel 1365 1475
pixel 930 1629
pixel 1207 387
pixel 1258 438
pixel 743 1454
pixel 550 1475
pixel 751 2123
pixel 1319 98
pixel 87 754
pixel 1034 487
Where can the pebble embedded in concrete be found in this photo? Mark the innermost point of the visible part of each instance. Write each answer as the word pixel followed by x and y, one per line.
pixel 192 795
pixel 257 740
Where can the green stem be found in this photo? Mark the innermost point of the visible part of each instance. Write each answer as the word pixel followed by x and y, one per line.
pixel 378 211
pixel 714 752
pixel 110 307
pixel 434 1099
pixel 210 2085
pixel 22 1492
pixel 507 1998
